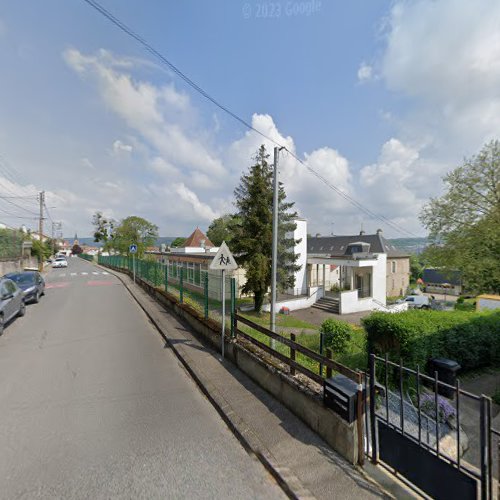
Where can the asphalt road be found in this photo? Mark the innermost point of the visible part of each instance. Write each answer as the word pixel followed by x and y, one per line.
pixel 93 406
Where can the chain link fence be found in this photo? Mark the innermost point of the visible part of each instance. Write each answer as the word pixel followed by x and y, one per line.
pixel 200 289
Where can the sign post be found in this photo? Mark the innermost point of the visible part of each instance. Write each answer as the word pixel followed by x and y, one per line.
pixel 133 250
pixel 223 261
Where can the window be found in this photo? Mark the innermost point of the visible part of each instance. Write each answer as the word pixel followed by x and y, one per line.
pixel 410 299
pixel 393 266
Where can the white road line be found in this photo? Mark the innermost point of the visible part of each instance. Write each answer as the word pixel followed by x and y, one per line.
pixel 62 275
pixel 105 272
pixel 93 272
pixel 84 274
pixel 73 274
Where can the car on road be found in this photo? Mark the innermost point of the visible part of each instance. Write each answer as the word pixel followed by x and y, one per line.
pixel 31 283
pixel 11 302
pixel 60 262
pixel 418 301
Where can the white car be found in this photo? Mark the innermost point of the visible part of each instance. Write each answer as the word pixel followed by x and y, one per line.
pixel 417 302
pixel 60 262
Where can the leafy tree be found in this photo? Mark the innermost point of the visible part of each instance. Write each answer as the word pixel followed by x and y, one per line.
pixel 40 250
pixel 222 229
pixel 76 250
pixel 178 242
pixel 252 242
pixel 464 223
pixel 103 228
pixel 134 230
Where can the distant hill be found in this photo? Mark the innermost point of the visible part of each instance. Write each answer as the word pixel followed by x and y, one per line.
pixel 410 245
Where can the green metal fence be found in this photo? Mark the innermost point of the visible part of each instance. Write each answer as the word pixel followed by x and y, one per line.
pixel 198 288
pixel 86 256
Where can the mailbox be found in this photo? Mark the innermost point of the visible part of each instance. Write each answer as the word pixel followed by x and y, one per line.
pixel 340 394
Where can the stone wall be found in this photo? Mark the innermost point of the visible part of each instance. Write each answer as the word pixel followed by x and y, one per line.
pixel 12 266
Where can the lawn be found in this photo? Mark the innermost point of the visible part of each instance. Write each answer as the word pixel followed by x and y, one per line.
pixel 282 320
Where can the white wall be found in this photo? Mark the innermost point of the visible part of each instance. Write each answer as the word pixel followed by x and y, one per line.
pixel 379 283
pixel 316 293
pixel 349 303
pixel 300 249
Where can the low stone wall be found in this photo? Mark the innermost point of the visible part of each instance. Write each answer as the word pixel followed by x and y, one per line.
pixel 299 399
pixel 12 266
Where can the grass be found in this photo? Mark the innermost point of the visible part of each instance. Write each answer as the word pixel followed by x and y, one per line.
pixel 282 320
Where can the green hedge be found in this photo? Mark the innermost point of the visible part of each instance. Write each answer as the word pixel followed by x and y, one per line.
pixel 472 339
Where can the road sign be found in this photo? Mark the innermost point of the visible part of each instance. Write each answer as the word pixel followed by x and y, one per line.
pixel 223 260
pixel 132 248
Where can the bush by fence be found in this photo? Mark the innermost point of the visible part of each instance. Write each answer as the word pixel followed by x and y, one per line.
pixel 472 339
pixel 11 242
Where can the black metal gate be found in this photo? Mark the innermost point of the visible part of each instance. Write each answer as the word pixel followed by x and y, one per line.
pixel 415 432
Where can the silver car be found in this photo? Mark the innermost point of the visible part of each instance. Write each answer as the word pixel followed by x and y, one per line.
pixel 11 302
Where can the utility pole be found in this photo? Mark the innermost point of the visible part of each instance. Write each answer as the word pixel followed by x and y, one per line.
pixel 40 229
pixel 274 262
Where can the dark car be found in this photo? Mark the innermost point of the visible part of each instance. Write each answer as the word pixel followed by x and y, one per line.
pixel 31 283
pixel 11 302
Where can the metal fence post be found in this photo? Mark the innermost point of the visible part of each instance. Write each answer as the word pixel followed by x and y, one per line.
pixel 233 305
pixel 483 447
pixel 372 411
pixel 166 277
pixel 181 287
pixel 205 295
pixel 359 409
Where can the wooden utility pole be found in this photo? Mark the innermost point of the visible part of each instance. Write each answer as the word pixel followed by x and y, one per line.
pixel 40 229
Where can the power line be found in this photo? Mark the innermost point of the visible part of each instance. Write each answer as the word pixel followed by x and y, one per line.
pixel 149 48
pixel 10 202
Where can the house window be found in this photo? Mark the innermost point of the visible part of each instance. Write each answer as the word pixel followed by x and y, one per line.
pixel 393 266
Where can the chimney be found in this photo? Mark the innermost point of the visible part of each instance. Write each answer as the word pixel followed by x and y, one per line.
pixel 379 232
pixel 361 233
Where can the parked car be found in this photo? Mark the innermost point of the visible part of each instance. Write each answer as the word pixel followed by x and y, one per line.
pixel 31 283
pixel 417 301
pixel 11 302
pixel 60 262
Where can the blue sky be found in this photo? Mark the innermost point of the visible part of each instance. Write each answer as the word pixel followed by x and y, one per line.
pixel 380 97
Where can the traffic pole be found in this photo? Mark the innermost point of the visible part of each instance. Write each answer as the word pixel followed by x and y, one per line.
pixel 133 264
pixel 223 311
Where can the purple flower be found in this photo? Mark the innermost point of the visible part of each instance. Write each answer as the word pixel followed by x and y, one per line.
pixel 445 409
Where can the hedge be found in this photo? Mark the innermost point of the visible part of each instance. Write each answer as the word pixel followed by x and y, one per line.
pixel 470 338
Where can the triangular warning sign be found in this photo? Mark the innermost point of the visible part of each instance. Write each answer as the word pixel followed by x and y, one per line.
pixel 223 259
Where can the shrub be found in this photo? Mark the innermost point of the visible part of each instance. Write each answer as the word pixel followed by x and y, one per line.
pixel 470 338
pixel 337 335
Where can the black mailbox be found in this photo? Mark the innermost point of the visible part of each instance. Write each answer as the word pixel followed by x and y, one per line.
pixel 340 394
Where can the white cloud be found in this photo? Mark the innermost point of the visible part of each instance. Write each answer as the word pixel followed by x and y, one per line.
pixel 446 56
pixel 365 72
pixel 202 210
pixel 120 147
pixel 85 162
pixel 154 112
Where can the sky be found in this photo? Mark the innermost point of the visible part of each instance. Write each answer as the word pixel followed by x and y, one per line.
pixel 380 98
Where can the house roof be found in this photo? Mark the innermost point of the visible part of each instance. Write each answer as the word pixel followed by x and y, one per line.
pixel 337 245
pixel 439 277
pixel 197 239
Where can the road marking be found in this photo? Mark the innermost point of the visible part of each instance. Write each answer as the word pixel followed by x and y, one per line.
pixel 84 274
pixel 73 274
pixel 93 272
pixel 105 272
pixel 62 284
pixel 100 283
pixel 62 275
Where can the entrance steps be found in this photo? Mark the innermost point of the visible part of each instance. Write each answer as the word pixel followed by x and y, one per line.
pixel 329 304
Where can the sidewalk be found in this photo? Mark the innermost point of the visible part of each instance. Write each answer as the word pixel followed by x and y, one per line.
pixel 302 462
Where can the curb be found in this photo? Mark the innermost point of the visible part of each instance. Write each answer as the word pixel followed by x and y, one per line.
pixel 288 482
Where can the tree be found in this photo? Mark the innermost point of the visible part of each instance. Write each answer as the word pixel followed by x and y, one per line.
pixel 76 250
pixel 222 229
pixel 103 228
pixel 134 230
pixel 252 242
pixel 464 223
pixel 178 242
